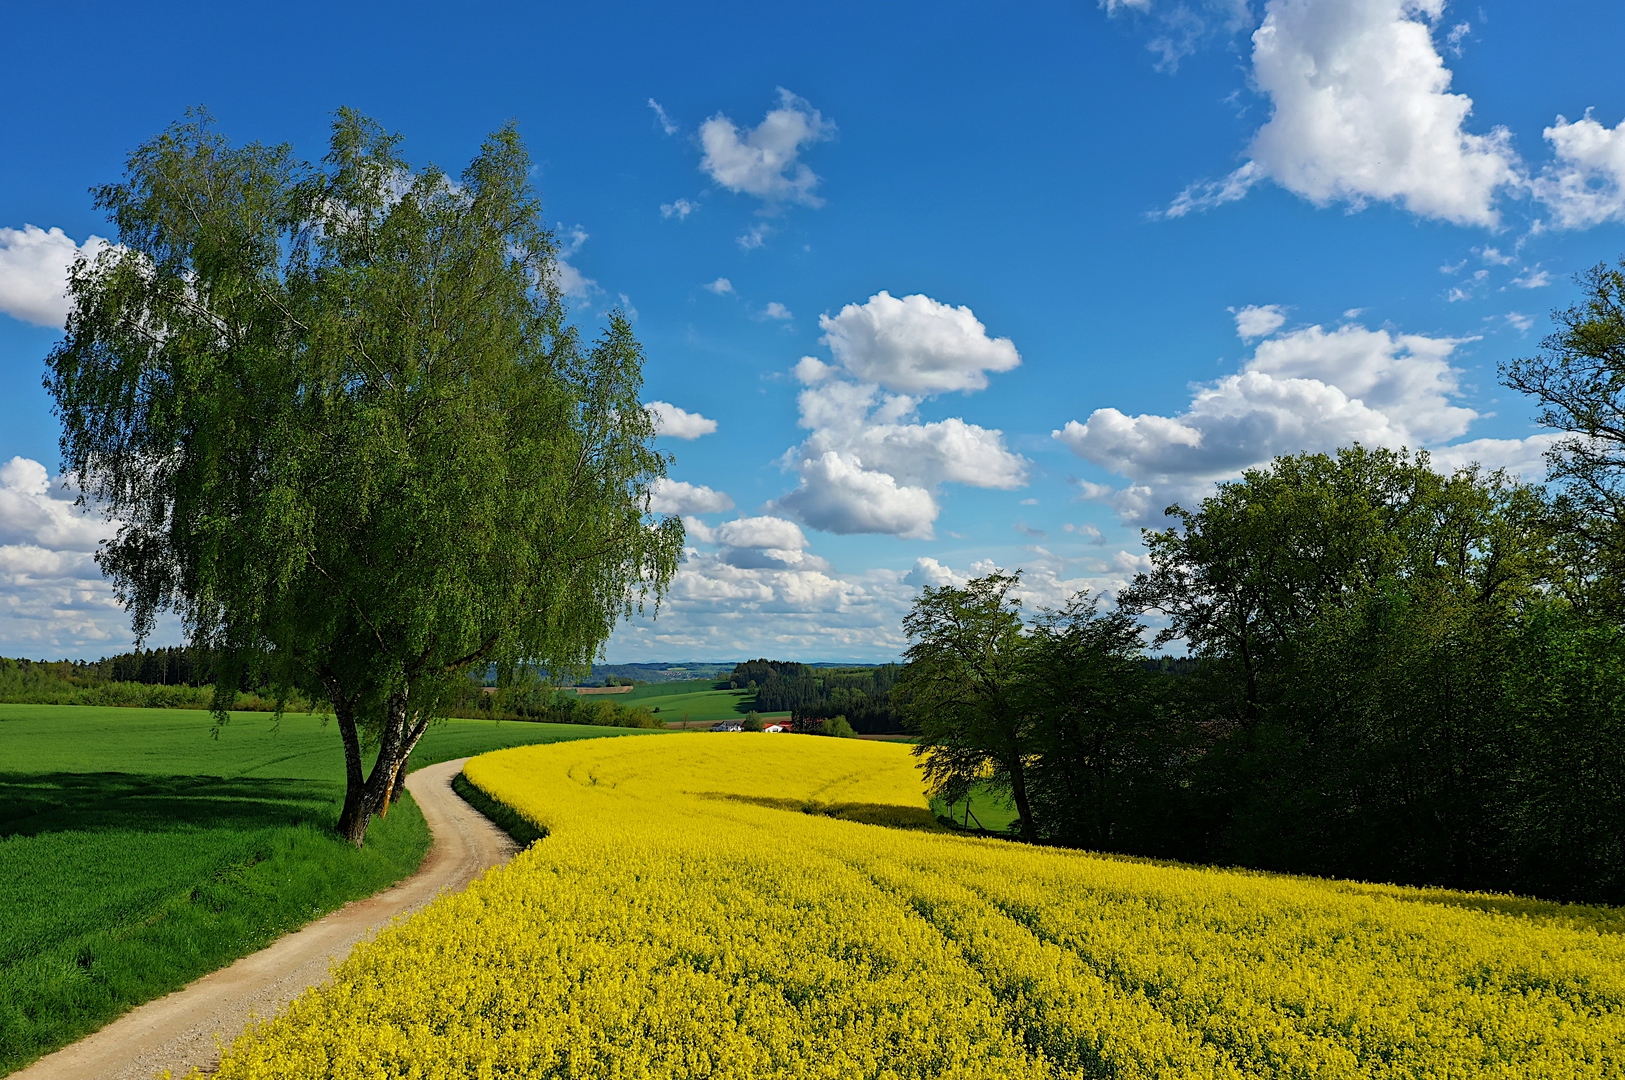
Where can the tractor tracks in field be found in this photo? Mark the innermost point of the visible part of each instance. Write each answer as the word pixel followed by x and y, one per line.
pixel 186 1029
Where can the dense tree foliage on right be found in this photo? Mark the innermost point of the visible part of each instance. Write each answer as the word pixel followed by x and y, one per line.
pixel 1398 676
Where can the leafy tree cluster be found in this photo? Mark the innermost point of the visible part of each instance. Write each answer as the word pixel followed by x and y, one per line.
pixel 562 707
pixel 172 666
pixel 1392 673
pixel 175 665
pixel 812 695
pixel 1395 675
pixel 176 677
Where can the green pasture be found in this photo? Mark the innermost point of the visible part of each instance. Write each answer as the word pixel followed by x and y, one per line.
pixel 138 852
pixel 990 810
pixel 696 699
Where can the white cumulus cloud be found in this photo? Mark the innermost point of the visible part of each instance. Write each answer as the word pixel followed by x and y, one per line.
pixel 1585 186
pixel 1254 321
pixel 678 423
pixel 929 572
pixel 680 497
pixel 53 599
pixel 837 494
pixel 755 236
pixel 721 286
pixel 34 266
pixel 1307 390
pixel 870 464
pixel 762 532
pixel 748 602
pixel 717 608
pixel 35 510
pixel 1523 458
pixel 764 161
pixel 764 543
pixel 1363 112
pixel 570 280
pixel 678 209
pixel 916 345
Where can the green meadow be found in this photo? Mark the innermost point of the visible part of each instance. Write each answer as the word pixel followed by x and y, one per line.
pixel 139 850
pixel 694 700
pixel 990 810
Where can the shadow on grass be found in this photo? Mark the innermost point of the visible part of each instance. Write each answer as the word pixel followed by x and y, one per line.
pixel 523 831
pixel 35 803
pixel 887 814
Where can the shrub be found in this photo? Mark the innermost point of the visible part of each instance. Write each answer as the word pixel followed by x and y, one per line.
pixel 837 727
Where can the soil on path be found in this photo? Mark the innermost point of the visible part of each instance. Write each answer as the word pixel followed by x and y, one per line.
pixel 185 1030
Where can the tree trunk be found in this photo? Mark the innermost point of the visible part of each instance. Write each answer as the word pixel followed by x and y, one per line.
pixel 381 784
pixel 364 800
pixel 1018 793
pixel 397 782
pixel 353 818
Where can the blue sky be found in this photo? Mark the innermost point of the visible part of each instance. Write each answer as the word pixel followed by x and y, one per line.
pixel 1055 265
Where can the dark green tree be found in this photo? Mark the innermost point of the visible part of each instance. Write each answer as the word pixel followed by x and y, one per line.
pixel 1354 616
pixel 1103 752
pixel 958 689
pixel 349 433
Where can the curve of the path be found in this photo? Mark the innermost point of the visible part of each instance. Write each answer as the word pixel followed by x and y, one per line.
pixel 186 1029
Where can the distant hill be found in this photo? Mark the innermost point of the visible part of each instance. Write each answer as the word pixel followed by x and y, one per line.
pixel 683 671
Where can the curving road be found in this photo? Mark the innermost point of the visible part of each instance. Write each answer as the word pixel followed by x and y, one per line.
pixel 186 1029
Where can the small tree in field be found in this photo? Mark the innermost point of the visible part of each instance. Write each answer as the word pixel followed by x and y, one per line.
pixel 348 433
pixel 959 688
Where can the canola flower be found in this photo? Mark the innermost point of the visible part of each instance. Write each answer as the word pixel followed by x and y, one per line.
pixel 743 906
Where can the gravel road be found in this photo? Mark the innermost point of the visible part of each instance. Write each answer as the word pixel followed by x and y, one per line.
pixel 186 1029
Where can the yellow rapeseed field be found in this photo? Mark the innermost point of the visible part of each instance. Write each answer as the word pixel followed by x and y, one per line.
pixel 782 906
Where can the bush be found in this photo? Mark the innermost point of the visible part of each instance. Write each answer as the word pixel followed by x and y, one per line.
pixel 837 727
pixel 753 721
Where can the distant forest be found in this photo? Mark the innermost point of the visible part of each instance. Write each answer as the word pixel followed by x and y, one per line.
pixel 167 678
pixel 814 694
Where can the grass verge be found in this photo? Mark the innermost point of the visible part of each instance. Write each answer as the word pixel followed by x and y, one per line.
pixel 504 817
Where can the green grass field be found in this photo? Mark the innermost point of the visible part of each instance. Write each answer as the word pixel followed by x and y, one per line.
pixel 138 853
pixel 696 699
pixel 989 809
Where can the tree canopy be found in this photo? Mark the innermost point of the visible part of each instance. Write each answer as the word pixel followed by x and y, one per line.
pixel 1578 377
pixel 957 689
pixel 347 430
pixel 1392 676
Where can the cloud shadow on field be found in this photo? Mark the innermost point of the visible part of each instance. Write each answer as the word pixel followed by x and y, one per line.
pixel 36 803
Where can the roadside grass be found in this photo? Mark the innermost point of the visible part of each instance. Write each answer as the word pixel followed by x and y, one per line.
pixel 138 853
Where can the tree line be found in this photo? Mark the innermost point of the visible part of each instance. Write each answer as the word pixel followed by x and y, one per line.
pixel 813 696
pixel 1394 673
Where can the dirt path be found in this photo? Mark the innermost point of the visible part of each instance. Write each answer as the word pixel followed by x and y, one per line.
pixel 184 1030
